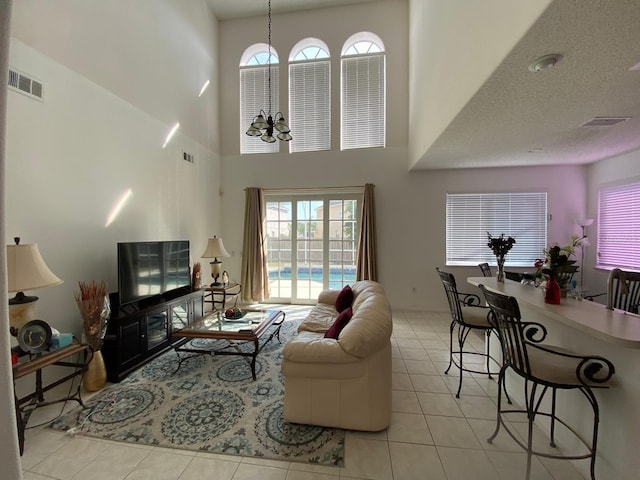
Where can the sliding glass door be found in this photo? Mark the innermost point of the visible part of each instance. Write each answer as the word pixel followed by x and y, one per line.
pixel 311 244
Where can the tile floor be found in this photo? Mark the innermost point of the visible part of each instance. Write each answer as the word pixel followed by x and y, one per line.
pixel 432 435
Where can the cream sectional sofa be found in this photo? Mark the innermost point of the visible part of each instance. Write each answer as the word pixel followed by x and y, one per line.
pixel 343 382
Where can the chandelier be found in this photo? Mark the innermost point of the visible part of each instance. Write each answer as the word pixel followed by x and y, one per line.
pixel 263 124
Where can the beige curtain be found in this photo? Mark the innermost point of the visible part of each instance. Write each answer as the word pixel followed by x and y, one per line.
pixel 255 277
pixel 366 262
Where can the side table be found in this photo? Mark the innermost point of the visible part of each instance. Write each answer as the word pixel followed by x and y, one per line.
pixel 218 295
pixel 36 363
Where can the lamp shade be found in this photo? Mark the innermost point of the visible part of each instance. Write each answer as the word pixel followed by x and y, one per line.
pixel 584 222
pixel 215 249
pixel 26 269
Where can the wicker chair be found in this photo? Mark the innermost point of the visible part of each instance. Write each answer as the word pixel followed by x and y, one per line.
pixel 466 315
pixel 544 369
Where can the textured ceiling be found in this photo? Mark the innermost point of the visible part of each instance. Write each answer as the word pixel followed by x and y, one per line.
pixel 519 117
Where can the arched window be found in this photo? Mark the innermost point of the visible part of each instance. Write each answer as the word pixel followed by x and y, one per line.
pixel 310 96
pixel 254 93
pixel 362 99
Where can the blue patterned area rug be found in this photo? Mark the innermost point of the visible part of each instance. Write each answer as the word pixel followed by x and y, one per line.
pixel 210 404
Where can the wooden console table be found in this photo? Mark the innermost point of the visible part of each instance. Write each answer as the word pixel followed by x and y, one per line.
pixel 27 404
pixel 228 291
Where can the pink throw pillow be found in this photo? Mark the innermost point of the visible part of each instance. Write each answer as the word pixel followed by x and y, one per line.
pixel 338 324
pixel 345 299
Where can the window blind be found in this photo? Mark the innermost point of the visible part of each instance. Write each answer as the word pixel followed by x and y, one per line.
pixel 363 102
pixel 619 227
pixel 470 216
pixel 310 106
pixel 254 96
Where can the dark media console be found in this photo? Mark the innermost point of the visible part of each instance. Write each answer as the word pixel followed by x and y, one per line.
pixel 138 332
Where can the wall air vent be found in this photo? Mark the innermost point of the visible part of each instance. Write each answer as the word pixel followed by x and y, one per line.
pixel 23 83
pixel 604 121
pixel 188 157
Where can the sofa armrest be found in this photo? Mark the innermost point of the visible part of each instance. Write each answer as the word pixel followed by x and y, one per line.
pixel 310 347
pixel 328 296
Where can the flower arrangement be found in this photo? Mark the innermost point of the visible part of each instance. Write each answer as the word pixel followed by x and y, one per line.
pixel 558 262
pixel 93 302
pixel 500 245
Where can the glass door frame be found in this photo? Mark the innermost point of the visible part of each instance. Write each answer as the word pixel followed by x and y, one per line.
pixel 325 198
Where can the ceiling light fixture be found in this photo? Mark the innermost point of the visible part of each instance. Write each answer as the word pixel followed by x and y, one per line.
pixel 546 62
pixel 263 124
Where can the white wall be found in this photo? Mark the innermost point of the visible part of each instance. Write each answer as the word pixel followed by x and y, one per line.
pixel 154 54
pixel 9 452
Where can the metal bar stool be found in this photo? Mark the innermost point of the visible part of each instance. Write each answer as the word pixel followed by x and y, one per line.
pixel 544 369
pixel 467 315
pixel 485 269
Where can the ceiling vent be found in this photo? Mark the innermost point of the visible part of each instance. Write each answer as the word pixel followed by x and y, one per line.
pixel 23 83
pixel 604 121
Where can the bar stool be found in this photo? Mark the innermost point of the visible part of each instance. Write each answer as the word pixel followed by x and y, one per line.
pixel 467 314
pixel 545 367
pixel 485 269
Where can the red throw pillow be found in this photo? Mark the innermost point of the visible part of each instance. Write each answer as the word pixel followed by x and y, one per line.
pixel 345 299
pixel 338 324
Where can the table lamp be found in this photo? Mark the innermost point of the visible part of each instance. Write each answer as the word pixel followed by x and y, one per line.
pixel 26 270
pixel 215 249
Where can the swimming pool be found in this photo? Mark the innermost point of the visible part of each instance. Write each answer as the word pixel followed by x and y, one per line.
pixel 338 277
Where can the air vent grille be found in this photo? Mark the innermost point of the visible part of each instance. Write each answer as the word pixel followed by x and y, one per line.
pixel 23 83
pixel 604 121
pixel 188 157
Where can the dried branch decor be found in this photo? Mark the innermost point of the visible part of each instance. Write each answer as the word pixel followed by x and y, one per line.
pixel 93 302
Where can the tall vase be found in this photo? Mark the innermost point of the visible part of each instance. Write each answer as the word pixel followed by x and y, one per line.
pixel 95 326
pixel 552 291
pixel 500 272
pixel 96 375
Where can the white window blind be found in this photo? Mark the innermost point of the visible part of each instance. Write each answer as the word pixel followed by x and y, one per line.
pixel 470 216
pixel 363 102
pixel 619 227
pixel 310 106
pixel 254 96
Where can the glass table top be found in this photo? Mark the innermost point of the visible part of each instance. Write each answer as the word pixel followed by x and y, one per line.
pixel 217 322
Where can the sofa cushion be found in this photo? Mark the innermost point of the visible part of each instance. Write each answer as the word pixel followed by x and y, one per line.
pixel 339 323
pixel 320 318
pixel 345 299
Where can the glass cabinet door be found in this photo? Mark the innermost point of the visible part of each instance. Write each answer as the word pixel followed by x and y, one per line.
pixel 179 316
pixel 157 329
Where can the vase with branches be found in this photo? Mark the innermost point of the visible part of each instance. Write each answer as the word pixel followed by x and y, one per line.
pixel 93 302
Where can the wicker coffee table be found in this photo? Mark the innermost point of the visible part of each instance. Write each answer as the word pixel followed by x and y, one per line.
pixel 245 337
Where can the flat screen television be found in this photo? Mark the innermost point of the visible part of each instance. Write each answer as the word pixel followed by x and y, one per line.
pixel 147 269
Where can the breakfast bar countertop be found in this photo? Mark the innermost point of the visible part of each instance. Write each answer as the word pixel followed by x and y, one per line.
pixel 612 326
